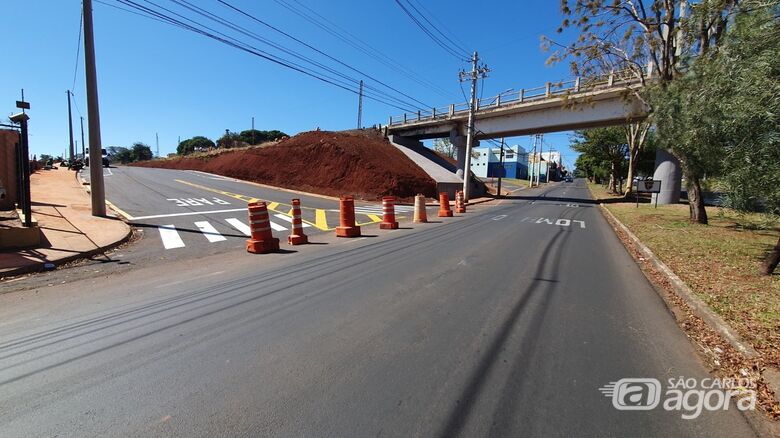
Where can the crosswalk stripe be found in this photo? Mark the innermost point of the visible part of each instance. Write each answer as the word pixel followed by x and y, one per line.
pixel 240 226
pixel 289 219
pixel 170 237
pixel 210 232
pixel 277 227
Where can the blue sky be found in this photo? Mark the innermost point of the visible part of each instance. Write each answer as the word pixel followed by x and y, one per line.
pixel 156 78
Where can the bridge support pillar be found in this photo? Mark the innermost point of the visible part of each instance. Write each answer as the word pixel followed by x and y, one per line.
pixel 459 143
pixel 668 170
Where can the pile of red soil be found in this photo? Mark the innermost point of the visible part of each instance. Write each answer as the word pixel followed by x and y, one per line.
pixel 322 162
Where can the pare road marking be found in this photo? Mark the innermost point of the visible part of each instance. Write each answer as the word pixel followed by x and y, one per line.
pixel 559 222
pixel 194 202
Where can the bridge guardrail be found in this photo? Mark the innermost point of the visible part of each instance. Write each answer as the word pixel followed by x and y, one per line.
pixel 547 91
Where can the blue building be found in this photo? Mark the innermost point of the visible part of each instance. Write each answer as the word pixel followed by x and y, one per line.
pixel 486 162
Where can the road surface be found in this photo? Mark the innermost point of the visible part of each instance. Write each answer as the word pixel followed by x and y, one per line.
pixel 502 322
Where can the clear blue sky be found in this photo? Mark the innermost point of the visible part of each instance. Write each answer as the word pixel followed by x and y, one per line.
pixel 156 78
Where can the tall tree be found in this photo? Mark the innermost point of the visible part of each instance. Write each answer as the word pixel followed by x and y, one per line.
pixel 632 37
pixel 606 149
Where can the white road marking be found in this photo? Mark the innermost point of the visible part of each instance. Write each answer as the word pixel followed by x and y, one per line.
pixel 284 217
pixel 498 218
pixel 240 226
pixel 277 227
pixel 210 232
pixel 190 213
pixel 170 237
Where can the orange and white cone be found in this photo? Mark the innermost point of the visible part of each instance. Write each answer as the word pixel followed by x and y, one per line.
pixel 297 236
pixel 388 214
pixel 444 205
pixel 262 240
pixel 420 214
pixel 460 203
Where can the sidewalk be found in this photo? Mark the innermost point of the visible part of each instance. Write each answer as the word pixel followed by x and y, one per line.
pixel 68 230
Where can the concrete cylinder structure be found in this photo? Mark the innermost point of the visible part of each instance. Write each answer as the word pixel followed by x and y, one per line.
pixel 669 172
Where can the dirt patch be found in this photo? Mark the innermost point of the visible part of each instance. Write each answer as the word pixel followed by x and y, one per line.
pixel 323 162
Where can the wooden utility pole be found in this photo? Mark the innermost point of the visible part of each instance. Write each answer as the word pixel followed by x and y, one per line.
pixel 500 167
pixel 97 189
pixel 360 106
pixel 83 145
pixel 70 129
pixel 476 72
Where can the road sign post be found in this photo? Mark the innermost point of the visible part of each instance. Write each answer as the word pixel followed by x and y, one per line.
pixel 648 186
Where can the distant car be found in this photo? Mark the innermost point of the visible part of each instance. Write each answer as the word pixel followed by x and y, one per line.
pixel 568 179
pixel 104 156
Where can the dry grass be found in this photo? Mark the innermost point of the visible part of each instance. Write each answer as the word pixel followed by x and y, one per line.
pixel 720 262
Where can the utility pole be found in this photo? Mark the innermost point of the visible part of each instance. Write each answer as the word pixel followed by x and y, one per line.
pixel 157 142
pixel 539 163
pixel 533 166
pixel 97 189
pixel 83 145
pixel 70 128
pixel 501 167
pixel 477 72
pixel 360 106
pixel 253 130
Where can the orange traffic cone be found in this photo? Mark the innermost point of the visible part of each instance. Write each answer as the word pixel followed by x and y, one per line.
pixel 262 240
pixel 420 215
pixel 347 216
pixel 388 214
pixel 460 203
pixel 297 237
pixel 444 205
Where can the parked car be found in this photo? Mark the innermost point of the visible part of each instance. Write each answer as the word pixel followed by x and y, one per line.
pixel 567 178
pixel 104 155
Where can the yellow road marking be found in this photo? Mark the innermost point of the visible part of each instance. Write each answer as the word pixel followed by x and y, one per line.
pixel 320 222
pixel 119 210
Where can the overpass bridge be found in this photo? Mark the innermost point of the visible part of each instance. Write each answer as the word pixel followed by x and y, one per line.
pixel 574 104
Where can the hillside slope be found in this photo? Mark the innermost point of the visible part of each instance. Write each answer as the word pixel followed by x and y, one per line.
pixel 323 162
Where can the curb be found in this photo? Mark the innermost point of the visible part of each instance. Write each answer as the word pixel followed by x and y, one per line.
pixel 683 291
pixel 39 267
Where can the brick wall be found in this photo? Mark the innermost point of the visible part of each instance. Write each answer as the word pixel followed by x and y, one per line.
pixel 8 140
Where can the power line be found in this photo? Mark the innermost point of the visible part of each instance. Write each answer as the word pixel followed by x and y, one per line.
pixel 452 51
pixel 453 43
pixel 281 48
pixel 357 43
pixel 201 29
pixel 444 26
pixel 78 51
pixel 320 52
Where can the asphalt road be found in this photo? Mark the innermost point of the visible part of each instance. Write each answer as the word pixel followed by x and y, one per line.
pixel 502 322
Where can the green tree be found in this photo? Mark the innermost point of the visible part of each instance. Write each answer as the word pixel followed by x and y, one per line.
pixel 230 140
pixel 254 137
pixel 141 152
pixel 606 152
pixel 444 147
pixel 194 144
pixel 631 37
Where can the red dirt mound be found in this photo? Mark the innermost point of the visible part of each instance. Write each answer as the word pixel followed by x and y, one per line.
pixel 328 163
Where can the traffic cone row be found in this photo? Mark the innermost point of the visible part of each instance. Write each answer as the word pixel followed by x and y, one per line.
pixel 262 240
